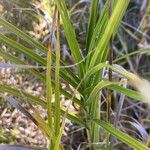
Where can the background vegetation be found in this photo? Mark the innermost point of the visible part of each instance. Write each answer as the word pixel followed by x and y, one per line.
pixel 69 63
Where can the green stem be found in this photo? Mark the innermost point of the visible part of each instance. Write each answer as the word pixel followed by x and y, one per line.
pixel 57 81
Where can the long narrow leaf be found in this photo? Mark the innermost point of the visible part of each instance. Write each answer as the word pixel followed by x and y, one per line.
pixel 22 35
pixel 125 138
pixel 33 43
pixel 98 31
pixel 58 139
pixel 57 81
pixel 37 120
pixel 49 87
pixel 20 93
pixel 37 74
pixel 17 61
pixel 128 92
pixel 96 89
pixel 115 68
pixel 20 48
pixel 141 51
pixel 36 100
pixel 63 74
pixel 101 51
pixel 70 33
pixel 92 21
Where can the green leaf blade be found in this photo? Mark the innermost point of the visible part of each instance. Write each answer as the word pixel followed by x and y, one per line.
pixel 125 138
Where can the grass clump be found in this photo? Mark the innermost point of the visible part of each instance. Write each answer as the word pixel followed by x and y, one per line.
pixel 88 80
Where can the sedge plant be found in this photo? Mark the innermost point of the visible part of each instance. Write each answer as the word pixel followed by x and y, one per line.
pixel 87 80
